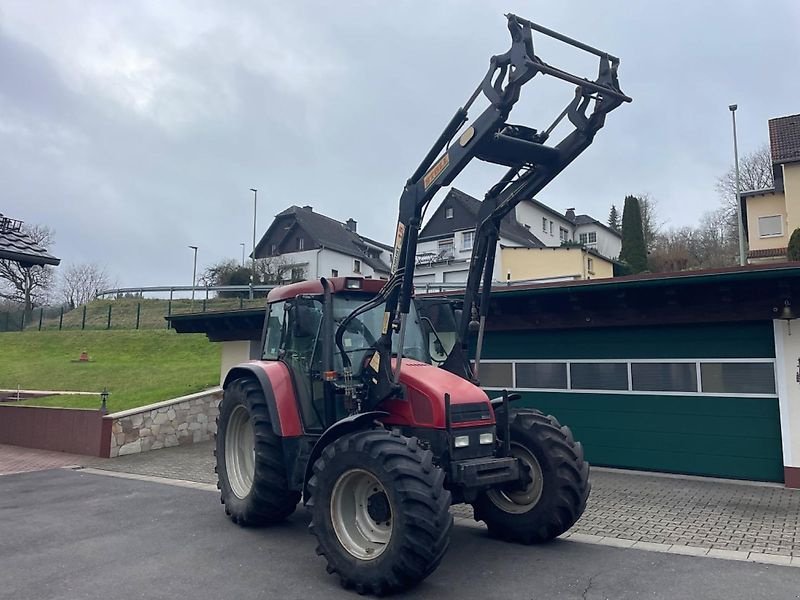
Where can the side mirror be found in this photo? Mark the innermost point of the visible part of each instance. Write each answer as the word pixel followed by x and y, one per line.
pixel 304 320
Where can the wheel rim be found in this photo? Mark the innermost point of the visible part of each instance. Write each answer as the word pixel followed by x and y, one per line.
pixel 240 452
pixel 361 514
pixel 520 500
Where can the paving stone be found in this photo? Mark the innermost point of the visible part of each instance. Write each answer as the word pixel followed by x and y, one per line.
pixel 769 559
pixel 728 554
pixel 687 550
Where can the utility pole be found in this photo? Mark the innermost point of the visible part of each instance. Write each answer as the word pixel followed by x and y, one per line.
pixel 742 257
pixel 194 273
pixel 253 273
pixel 242 245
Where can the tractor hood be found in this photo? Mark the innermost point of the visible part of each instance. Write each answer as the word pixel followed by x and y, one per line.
pixel 423 402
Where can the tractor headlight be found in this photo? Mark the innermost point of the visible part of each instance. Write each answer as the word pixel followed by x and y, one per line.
pixel 486 438
pixel 461 441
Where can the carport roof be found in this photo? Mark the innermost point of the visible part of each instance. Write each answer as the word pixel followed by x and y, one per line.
pixel 751 293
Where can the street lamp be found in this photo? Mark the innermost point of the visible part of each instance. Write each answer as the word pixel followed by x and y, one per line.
pixel 242 245
pixel 194 273
pixel 742 260
pixel 253 274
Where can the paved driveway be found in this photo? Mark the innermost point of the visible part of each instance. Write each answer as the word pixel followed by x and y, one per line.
pixel 725 518
pixel 70 534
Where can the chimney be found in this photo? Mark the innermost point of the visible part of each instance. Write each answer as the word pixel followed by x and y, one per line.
pixel 308 208
pixel 352 225
pixel 570 214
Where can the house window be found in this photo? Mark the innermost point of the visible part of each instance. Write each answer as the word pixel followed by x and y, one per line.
pixel 445 249
pixel 466 240
pixel 356 266
pixel 273 249
pixel 334 272
pixel 301 243
pixel 563 234
pixel 298 273
pixel 770 226
pixel 590 265
pixel 448 212
pixel 589 238
pixel 551 228
pixel 544 225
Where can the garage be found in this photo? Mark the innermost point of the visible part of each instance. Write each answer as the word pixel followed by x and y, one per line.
pixel 684 373
pixel 695 399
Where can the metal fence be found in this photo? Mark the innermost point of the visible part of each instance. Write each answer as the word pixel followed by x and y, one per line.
pixel 128 308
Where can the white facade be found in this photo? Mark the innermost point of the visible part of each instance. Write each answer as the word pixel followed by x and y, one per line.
pixel 446 260
pixel 324 262
pixel 606 243
pixel 545 225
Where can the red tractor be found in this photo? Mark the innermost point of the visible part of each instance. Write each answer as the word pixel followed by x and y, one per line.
pixel 365 403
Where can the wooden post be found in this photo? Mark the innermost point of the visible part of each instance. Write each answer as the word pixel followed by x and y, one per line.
pixel 61 318
pixel 83 320
pixel 41 314
pixel 138 313
pixel 108 324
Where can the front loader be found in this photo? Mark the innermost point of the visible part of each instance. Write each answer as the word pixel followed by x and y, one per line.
pixel 356 406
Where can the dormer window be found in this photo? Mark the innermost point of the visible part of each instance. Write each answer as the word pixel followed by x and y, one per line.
pixel 301 243
pixel 448 212
pixel 273 250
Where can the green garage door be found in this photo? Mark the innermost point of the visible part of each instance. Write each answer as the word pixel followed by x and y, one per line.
pixel 697 399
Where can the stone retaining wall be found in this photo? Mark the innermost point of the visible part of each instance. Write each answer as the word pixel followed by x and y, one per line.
pixel 184 420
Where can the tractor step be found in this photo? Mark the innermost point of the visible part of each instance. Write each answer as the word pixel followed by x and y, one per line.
pixel 484 472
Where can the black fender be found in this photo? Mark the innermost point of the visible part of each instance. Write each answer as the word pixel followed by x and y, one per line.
pixel 254 372
pixel 333 433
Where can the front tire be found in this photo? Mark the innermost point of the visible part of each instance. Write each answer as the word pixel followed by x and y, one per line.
pixel 250 464
pixel 379 511
pixel 553 498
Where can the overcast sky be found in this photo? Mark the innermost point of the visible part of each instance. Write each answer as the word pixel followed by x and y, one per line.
pixel 136 128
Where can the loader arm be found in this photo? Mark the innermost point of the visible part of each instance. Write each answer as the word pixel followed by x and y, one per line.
pixel 490 138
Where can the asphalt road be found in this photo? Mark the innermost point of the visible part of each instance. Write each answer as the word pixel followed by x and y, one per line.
pixel 72 535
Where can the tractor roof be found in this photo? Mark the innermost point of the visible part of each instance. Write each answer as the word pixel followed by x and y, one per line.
pixel 314 287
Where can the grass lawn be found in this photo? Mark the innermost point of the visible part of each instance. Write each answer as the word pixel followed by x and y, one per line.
pixel 137 367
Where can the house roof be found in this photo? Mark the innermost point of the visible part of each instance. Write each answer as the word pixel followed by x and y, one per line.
pixel 17 246
pixel 588 220
pixel 467 218
pixel 329 233
pixel 784 139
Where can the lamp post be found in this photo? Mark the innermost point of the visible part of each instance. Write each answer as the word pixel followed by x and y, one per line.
pixel 194 273
pixel 242 245
pixel 104 400
pixel 742 258
pixel 255 208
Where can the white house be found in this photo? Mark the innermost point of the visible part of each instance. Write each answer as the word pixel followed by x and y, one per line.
pixel 319 246
pixel 445 243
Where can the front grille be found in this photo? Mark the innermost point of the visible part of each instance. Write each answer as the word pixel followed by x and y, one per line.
pixel 473 411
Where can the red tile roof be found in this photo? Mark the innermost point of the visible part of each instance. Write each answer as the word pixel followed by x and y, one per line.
pixel 767 253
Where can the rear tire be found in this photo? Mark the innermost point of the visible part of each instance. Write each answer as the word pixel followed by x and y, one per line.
pixel 554 497
pixel 379 511
pixel 250 464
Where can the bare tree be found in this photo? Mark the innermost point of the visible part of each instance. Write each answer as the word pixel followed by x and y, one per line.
pixel 755 173
pixel 703 247
pixel 80 283
pixel 28 285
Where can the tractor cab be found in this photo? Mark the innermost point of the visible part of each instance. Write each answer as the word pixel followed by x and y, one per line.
pixel 300 330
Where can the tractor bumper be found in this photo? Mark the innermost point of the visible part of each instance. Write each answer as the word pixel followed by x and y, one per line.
pixel 484 472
